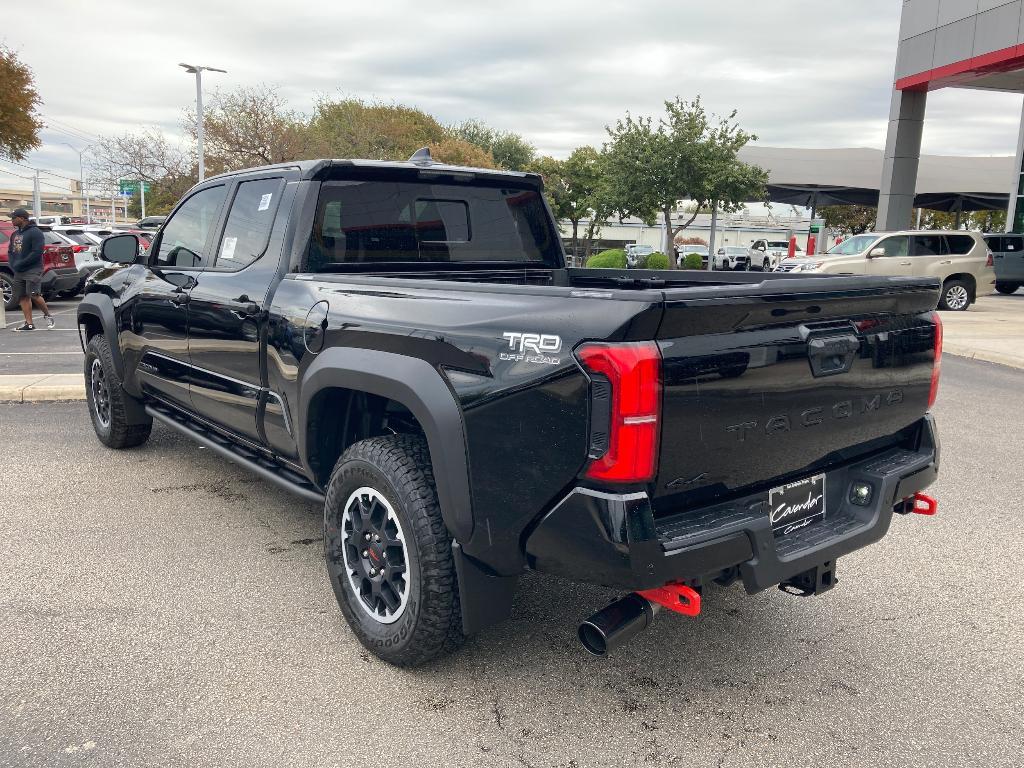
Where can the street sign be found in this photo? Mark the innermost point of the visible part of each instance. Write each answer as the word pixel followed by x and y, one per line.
pixel 127 188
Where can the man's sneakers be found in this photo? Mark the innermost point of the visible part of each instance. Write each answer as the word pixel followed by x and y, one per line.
pixel 50 324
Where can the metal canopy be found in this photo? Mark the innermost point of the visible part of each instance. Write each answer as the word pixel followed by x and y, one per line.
pixel 819 177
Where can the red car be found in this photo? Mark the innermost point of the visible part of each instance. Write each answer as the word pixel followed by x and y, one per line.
pixel 59 271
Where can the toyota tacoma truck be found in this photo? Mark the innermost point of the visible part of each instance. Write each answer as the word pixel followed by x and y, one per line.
pixel 402 344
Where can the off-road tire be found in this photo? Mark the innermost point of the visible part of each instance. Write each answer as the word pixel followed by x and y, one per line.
pixel 398 468
pixel 956 296
pixel 1007 288
pixel 117 432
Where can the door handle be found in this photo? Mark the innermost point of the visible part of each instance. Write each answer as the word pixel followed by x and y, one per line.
pixel 906 264
pixel 243 308
pixel 948 261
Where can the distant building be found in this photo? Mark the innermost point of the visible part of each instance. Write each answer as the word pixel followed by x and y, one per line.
pixel 56 203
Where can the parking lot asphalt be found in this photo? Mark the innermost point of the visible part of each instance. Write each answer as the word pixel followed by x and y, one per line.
pixel 42 351
pixel 162 607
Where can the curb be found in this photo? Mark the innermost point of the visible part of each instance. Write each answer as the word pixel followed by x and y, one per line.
pixel 42 388
pixel 968 352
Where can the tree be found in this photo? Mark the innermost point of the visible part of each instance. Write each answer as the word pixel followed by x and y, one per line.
pixel 572 187
pixel 20 122
pixel 509 150
pixel 249 127
pixel 144 156
pixel 457 152
pixel 688 154
pixel 982 221
pixel 849 219
pixel 357 129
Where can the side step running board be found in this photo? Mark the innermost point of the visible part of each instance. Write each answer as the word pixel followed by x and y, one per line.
pixel 265 468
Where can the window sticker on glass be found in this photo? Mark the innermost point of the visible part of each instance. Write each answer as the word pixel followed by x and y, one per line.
pixel 265 201
pixel 227 250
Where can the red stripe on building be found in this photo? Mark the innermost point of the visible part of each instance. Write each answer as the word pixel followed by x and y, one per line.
pixel 1005 60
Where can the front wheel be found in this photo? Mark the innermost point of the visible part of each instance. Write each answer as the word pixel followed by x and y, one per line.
pixel 766 265
pixel 1007 288
pixel 389 553
pixel 108 402
pixel 956 296
pixel 725 264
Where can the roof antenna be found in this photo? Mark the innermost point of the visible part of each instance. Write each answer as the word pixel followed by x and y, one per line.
pixel 421 155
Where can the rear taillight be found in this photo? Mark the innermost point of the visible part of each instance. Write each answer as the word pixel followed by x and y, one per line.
pixel 988 261
pixel 633 375
pixel 937 365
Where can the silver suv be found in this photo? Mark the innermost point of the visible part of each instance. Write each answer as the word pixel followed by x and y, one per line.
pixel 961 260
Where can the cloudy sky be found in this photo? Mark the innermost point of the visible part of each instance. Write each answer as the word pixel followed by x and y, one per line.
pixel 801 73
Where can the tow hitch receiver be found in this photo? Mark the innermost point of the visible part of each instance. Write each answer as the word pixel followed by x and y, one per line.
pixel 814 581
pixel 676 597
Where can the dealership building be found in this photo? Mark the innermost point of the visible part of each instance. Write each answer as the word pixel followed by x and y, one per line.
pixel 976 44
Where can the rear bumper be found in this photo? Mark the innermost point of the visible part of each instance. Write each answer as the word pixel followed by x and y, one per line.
pixel 62 279
pixel 614 539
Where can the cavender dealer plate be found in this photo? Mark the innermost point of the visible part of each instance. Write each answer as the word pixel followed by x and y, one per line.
pixel 797 505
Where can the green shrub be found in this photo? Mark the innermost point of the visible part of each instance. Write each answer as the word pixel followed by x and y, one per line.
pixel 656 260
pixel 611 259
pixel 693 261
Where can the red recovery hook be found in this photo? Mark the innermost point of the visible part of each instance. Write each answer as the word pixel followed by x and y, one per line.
pixel 923 504
pixel 676 597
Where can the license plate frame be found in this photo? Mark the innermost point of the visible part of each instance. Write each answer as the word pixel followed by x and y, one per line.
pixel 797 505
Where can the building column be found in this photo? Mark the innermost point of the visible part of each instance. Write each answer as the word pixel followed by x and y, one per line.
pixel 902 154
pixel 1015 210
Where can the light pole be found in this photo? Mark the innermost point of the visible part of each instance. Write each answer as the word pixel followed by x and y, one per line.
pixel 198 72
pixel 81 174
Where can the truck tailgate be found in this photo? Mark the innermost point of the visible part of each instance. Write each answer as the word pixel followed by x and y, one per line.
pixel 768 387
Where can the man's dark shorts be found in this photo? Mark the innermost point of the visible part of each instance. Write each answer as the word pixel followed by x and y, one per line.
pixel 28 283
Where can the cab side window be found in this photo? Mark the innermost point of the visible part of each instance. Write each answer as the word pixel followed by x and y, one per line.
pixel 184 236
pixel 248 228
pixel 898 245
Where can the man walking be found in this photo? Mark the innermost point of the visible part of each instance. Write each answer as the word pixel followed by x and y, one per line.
pixel 25 255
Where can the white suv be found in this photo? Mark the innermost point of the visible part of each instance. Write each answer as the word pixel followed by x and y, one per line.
pixel 961 260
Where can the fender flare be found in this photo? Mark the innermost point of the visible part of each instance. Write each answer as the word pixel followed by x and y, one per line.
pixel 418 386
pixel 101 308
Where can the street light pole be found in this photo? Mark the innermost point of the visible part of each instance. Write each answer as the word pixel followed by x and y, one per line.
pixel 198 70
pixel 81 175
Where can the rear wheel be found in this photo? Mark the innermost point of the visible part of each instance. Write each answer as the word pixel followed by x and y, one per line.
pixel 7 291
pixel 1007 288
pixel 956 296
pixel 108 401
pixel 388 551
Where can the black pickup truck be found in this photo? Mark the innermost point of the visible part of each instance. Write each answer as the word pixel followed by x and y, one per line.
pixel 402 343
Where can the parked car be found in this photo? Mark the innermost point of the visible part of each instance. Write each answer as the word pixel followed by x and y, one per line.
pixel 365 334
pixel 59 273
pixel 150 222
pixel 683 251
pixel 961 260
pixel 734 257
pixel 770 253
pixel 86 248
pixel 636 254
pixel 1008 260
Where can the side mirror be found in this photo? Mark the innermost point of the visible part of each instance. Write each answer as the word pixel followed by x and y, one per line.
pixel 762 247
pixel 874 253
pixel 120 249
